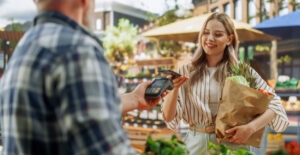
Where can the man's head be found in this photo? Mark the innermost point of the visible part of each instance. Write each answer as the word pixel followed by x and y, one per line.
pixel 79 10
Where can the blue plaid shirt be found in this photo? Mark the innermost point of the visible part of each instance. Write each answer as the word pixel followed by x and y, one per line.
pixel 58 95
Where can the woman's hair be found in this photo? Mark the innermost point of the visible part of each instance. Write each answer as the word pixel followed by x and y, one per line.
pixel 199 61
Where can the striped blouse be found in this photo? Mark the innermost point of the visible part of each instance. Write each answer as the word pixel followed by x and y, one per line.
pixel 193 102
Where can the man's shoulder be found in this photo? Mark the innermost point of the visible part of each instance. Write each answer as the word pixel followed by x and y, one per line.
pixel 56 36
pixel 48 43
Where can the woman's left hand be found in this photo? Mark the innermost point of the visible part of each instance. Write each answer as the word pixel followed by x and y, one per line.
pixel 240 133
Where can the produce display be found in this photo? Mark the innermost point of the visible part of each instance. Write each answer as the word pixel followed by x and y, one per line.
pixel 275 136
pixel 291 105
pixel 292 83
pixel 146 119
pixel 293 148
pixel 165 147
pixel 279 152
pixel 275 142
pixel 225 150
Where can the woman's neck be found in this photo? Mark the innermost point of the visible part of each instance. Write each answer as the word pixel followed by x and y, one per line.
pixel 213 61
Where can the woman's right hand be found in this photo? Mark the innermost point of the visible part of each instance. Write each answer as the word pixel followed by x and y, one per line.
pixel 169 108
pixel 178 82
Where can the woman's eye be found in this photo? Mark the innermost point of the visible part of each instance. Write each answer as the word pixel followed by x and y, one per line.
pixel 218 35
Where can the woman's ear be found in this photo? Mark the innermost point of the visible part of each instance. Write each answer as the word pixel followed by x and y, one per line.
pixel 230 39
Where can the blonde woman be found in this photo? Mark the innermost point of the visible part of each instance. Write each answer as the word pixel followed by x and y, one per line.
pixel 195 98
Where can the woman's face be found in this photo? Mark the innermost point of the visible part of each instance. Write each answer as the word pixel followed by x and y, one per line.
pixel 214 39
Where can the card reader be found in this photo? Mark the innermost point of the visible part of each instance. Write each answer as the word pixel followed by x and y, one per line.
pixel 157 87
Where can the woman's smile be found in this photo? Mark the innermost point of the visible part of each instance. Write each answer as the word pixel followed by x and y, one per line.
pixel 210 45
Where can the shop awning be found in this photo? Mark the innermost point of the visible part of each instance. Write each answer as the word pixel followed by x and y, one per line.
pixel 188 30
pixel 285 27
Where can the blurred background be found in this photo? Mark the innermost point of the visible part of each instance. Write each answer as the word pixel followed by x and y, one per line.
pixel 141 37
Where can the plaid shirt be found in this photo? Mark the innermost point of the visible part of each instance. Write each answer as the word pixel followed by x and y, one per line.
pixel 58 94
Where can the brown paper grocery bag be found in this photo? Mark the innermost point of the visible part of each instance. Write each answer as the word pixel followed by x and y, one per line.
pixel 239 105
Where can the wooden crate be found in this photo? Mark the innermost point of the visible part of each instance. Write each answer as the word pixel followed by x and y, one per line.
pixel 275 145
pixel 138 136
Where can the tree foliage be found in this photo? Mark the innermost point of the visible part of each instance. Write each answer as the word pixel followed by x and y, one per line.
pixel 119 41
pixel 167 18
pixel 169 47
pixel 14 27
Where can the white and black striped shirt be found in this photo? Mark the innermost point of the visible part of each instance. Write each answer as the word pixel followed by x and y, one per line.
pixel 193 104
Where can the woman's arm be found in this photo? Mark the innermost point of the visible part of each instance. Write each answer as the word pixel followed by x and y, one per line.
pixel 261 121
pixel 169 106
pixel 243 132
pixel 280 121
pixel 275 116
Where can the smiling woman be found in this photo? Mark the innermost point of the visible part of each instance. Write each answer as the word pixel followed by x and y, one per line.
pixel 214 40
pixel 217 47
pixel 196 99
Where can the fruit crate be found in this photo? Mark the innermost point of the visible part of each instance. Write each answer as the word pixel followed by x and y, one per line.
pixel 275 145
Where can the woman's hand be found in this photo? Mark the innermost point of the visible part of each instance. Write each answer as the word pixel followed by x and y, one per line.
pixel 240 133
pixel 178 82
pixel 170 104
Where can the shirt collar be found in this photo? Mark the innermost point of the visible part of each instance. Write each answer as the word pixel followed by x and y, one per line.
pixel 56 17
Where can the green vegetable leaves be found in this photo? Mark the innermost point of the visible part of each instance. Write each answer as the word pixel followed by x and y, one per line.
pixel 225 150
pixel 243 69
pixel 165 147
pixel 239 79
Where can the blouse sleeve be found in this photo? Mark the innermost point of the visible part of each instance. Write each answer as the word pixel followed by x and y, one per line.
pixel 280 122
pixel 173 124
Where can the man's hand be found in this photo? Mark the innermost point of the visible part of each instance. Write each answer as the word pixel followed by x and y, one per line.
pixel 240 133
pixel 142 103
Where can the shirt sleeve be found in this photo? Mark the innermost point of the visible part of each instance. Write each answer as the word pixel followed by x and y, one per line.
pixel 173 124
pixel 280 122
pixel 88 103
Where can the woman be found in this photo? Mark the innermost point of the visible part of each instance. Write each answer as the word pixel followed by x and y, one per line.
pixel 196 94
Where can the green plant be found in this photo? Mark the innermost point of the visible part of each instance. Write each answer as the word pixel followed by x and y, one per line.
pixel 284 59
pixel 263 48
pixel 119 42
pixel 167 18
pixel 243 69
pixel 14 26
pixel 225 150
pixel 280 152
pixel 165 147
pixel 168 48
